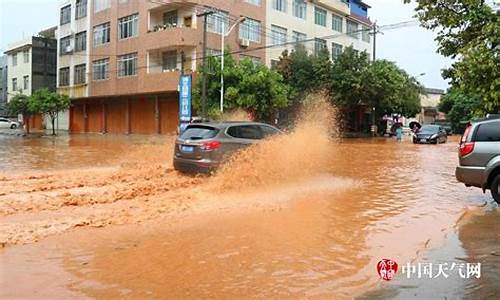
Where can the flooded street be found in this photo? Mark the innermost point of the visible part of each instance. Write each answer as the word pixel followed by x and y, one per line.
pixel 108 217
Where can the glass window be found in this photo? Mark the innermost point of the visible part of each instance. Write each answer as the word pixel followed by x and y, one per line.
pixel 170 18
pixel 128 26
pixel 64 76
pixel 218 22
pixel 26 56
pixel 336 50
pixel 352 29
pixel 81 41
pixel 278 35
pixel 251 132
pixel 66 14
pixel 102 34
pixel 365 34
pixel 81 9
pixel 337 23
pixel 100 69
pixel 279 5
pixel 319 45
pixel 65 45
pixel 169 60
pixel 254 2
pixel 80 71
pixel 14 59
pixel 101 5
pixel 299 9
pixel 489 132
pixel 298 36
pixel 127 65
pixel 26 82
pixel 14 84
pixel 199 132
pixel 250 30
pixel 319 16
pixel 268 131
pixel 255 60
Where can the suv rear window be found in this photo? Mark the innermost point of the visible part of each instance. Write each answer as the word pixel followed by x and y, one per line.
pixel 489 132
pixel 251 132
pixel 199 132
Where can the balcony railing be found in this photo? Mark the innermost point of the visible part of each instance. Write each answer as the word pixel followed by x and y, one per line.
pixel 335 5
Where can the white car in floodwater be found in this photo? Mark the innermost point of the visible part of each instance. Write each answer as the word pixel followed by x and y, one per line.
pixel 6 124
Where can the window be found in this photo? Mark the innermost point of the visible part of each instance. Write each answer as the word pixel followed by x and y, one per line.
pixel 319 45
pixel 250 30
pixel 337 23
pixel 26 56
pixel 365 34
pixel 251 132
pixel 336 50
pixel 170 18
pixel 218 22
pixel 128 26
pixel 14 59
pixel 274 64
pixel 80 71
pixel 64 76
pixel 26 82
pixel 319 16
pixel 352 29
pixel 199 132
pixel 81 41
pixel 298 36
pixel 66 14
pixel 488 133
pixel 254 59
pixel 268 131
pixel 169 60
pixel 279 5
pixel 14 84
pixel 299 9
pixel 127 65
pixel 101 34
pixel 65 45
pixel 278 35
pixel 101 5
pixel 254 2
pixel 81 9
pixel 101 69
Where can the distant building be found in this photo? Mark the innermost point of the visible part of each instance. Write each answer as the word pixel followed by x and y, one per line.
pixel 3 84
pixel 429 102
pixel 32 66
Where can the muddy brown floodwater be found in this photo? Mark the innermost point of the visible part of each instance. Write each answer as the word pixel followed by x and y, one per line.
pixel 108 217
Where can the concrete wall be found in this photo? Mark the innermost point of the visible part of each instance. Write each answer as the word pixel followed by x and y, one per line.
pixel 3 84
pixel 21 69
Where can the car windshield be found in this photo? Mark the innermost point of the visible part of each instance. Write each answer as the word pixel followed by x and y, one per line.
pixel 199 132
pixel 429 129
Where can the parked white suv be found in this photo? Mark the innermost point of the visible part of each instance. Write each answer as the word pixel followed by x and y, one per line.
pixel 6 123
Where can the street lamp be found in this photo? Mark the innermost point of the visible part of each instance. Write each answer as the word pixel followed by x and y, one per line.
pixel 223 35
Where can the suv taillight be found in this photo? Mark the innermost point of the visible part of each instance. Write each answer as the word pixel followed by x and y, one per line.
pixel 466 147
pixel 209 146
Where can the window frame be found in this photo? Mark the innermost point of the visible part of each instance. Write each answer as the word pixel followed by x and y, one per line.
pixel 67 76
pixel 65 15
pixel 77 74
pixel 280 5
pixel 100 63
pixel 320 14
pixel 336 26
pixel 80 9
pixel 99 34
pixel 245 27
pixel 81 44
pixel 129 22
pixel 126 59
pixel 279 34
pixel 299 9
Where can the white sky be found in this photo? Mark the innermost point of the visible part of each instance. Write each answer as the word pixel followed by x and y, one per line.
pixel 412 48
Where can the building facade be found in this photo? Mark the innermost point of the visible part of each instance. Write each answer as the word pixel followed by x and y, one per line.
pixel 330 24
pixel 3 84
pixel 120 60
pixel 429 102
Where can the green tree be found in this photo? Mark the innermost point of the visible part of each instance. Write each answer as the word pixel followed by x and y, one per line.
pixel 468 31
pixel 459 107
pixel 23 105
pixel 249 86
pixel 50 104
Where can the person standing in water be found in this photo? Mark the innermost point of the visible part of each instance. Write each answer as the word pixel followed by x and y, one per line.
pixel 399 132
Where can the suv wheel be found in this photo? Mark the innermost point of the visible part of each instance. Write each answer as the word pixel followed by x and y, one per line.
pixel 495 189
pixel 13 126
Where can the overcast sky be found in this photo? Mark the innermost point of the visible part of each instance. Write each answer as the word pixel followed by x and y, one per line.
pixel 412 48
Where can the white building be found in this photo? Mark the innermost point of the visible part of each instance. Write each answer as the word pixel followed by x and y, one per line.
pixel 334 24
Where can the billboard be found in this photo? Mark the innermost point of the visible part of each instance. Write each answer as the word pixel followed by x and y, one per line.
pixel 185 85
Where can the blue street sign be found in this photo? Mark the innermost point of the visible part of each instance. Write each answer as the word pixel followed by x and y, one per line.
pixel 185 85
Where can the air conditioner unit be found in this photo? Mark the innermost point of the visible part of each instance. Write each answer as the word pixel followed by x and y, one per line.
pixel 68 49
pixel 244 43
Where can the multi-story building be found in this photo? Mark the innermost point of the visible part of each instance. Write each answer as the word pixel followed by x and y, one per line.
pixel 32 66
pixel 330 24
pixel 3 84
pixel 120 60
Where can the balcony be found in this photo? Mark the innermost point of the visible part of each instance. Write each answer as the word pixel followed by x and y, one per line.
pixel 171 16
pixel 170 59
pixel 338 6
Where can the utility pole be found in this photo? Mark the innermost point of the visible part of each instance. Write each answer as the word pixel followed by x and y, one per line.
pixel 204 77
pixel 374 41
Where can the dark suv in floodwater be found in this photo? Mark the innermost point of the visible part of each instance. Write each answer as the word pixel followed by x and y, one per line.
pixel 203 146
pixel 479 156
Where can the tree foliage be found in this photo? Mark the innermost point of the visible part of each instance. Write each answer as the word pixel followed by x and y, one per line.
pixel 247 85
pixel 459 107
pixel 50 104
pixel 468 31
